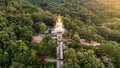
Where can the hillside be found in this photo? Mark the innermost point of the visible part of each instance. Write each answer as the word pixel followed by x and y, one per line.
pixel 92 20
pixel 19 21
pixel 82 9
pixel 89 15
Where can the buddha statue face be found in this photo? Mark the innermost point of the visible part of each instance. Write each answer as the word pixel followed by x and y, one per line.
pixel 59 20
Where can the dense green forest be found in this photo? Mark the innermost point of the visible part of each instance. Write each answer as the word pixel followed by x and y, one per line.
pixel 97 20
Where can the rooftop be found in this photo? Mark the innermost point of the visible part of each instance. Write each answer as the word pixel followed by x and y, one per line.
pixel 36 39
pixel 84 42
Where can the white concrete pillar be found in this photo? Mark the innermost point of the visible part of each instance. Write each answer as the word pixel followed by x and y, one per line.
pixel 61 50
pixel 59 64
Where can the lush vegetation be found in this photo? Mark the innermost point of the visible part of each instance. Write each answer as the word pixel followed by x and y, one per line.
pixel 89 19
pixel 19 21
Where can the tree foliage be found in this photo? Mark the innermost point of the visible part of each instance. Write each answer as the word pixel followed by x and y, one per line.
pixel 93 20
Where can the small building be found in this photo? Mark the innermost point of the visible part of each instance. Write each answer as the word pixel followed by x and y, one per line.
pixel 37 39
pixel 84 42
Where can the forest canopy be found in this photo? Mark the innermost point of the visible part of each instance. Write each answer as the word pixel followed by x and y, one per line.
pixel 96 20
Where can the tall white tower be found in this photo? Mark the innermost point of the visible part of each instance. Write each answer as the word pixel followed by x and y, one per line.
pixel 59 31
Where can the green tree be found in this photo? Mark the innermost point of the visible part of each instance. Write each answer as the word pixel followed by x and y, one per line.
pixel 1 59
pixel 88 22
pixel 1 50
pixel 47 38
pixel 12 48
pixel 37 17
pixel 17 65
pixel 42 28
pixel 75 45
pixel 70 60
pixel 98 38
pixel 76 37
pixel 88 32
pixel 5 59
pixel 26 33
pixel 48 46
pixel 3 23
pixel 88 59
pixel 4 36
pixel 65 33
pixel 107 62
pixel 22 46
pixel 26 20
pixel 47 18
pixel 110 49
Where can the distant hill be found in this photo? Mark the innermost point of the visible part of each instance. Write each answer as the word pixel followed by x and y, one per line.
pixel 82 9
pixel 89 12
